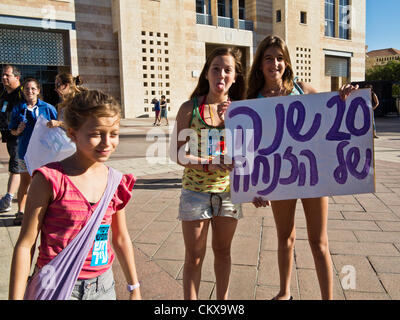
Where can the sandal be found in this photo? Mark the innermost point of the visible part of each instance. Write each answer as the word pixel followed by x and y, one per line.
pixel 19 216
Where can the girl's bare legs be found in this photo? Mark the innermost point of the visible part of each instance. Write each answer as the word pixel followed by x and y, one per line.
pixel 316 212
pixel 284 212
pixel 223 229
pixel 195 238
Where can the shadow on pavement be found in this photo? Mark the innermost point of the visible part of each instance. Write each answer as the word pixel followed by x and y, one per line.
pixel 156 184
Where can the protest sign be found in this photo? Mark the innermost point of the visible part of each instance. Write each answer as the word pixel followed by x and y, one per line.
pixel 47 145
pixel 301 146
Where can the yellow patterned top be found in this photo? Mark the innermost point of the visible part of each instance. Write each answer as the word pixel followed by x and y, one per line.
pixel 207 141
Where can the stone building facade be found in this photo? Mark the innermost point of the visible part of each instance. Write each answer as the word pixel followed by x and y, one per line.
pixel 140 49
pixel 381 57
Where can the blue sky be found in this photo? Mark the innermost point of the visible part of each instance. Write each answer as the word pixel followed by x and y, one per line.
pixel 383 24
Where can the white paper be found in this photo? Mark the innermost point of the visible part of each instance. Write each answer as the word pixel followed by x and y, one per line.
pixel 47 145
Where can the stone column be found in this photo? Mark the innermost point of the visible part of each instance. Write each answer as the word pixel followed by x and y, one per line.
pixel 214 12
pixel 235 13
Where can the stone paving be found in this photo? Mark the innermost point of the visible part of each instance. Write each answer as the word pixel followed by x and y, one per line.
pixel 364 231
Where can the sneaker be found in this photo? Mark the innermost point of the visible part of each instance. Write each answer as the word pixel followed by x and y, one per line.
pixel 5 204
pixel 19 216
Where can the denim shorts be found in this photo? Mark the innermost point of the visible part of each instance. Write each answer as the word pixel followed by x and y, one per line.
pixel 201 205
pixel 99 288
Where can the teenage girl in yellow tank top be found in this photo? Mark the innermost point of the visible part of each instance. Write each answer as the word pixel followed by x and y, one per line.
pixel 205 198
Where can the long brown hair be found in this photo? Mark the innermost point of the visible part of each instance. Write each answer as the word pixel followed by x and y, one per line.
pixel 237 89
pixel 256 78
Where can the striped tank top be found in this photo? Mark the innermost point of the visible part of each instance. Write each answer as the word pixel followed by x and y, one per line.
pixel 205 141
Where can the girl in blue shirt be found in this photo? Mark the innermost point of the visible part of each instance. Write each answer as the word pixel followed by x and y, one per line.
pixel 23 120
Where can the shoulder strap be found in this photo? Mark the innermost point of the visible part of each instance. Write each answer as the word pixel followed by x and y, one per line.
pixel 298 88
pixel 64 269
pixel 195 107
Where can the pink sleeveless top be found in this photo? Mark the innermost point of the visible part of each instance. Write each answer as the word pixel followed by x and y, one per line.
pixel 68 213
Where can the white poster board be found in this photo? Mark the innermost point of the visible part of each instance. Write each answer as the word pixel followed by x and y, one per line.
pixel 301 146
pixel 47 145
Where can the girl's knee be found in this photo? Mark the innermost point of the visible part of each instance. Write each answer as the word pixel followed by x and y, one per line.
pixel 286 243
pixel 194 258
pixel 319 247
pixel 222 252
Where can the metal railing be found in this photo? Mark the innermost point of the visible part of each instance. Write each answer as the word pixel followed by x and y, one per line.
pixel 203 19
pixel 225 22
pixel 246 25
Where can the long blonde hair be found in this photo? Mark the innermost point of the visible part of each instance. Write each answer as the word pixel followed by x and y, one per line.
pixel 256 78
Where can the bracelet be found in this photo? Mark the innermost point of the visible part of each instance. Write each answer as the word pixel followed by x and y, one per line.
pixel 205 167
pixel 131 287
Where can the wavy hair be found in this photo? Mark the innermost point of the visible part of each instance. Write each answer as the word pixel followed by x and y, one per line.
pixel 256 80
pixel 86 104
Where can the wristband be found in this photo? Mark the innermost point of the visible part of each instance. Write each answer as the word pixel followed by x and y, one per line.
pixel 205 167
pixel 131 287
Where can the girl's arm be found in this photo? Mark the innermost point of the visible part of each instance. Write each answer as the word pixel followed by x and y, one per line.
pixel 123 247
pixel 375 101
pixel 19 130
pixel 39 196
pixel 55 124
pixel 178 155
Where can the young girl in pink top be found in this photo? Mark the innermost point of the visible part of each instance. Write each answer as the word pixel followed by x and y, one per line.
pixel 63 195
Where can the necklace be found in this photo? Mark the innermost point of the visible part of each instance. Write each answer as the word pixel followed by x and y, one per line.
pixel 274 92
pixel 211 115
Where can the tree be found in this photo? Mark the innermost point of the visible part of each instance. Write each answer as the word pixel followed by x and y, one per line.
pixel 388 72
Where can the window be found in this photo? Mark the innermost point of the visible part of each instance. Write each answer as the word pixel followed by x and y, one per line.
pixel 278 15
pixel 242 10
pixel 200 6
pixel 303 17
pixel 344 19
pixel 330 18
pixel 221 8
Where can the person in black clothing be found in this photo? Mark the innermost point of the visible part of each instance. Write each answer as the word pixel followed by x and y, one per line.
pixel 10 97
pixel 164 109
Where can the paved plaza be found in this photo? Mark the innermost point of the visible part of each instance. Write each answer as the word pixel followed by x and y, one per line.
pixel 364 230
